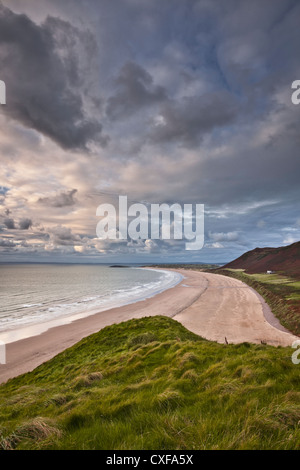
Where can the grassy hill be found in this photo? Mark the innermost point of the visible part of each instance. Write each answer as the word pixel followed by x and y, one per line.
pixel 152 384
pixel 284 259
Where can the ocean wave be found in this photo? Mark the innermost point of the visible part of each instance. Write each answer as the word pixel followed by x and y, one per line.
pixel 38 313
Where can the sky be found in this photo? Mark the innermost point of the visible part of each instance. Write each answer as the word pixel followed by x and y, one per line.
pixel 164 101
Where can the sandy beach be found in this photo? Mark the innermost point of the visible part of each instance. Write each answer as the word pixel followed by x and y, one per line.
pixel 215 307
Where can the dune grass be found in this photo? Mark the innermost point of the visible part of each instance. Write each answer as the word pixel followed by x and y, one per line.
pixel 152 384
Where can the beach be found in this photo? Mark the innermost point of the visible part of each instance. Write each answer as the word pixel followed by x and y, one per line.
pixel 215 307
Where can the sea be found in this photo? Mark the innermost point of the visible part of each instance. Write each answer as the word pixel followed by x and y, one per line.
pixel 36 297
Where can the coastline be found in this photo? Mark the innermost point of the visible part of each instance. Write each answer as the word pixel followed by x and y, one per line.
pixel 39 327
pixel 213 306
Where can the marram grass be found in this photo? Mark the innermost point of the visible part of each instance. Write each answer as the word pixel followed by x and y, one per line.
pixel 152 384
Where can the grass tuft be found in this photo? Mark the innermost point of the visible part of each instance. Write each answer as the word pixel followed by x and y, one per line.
pixel 36 430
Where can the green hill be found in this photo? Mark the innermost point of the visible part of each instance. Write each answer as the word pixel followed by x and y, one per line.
pixel 151 384
pixel 284 259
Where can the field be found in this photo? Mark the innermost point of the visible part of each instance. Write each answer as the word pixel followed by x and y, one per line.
pixel 152 384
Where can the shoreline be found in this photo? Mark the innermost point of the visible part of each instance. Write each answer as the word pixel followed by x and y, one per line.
pixel 35 329
pixel 215 307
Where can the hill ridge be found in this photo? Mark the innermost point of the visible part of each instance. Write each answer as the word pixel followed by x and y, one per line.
pixel 278 259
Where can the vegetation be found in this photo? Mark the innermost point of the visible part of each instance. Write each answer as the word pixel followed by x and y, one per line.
pixel 152 384
pixel 195 267
pixel 284 259
pixel 280 291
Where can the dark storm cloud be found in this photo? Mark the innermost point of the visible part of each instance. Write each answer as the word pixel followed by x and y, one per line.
pixel 135 90
pixel 62 199
pixel 196 97
pixel 25 224
pixel 188 120
pixel 9 223
pixel 42 91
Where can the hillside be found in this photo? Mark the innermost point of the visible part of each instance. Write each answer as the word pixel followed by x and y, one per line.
pixel 152 384
pixel 260 260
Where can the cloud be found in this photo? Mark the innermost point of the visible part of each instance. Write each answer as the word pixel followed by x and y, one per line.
pixel 6 243
pixel 62 199
pixel 136 90
pixel 289 239
pixel 216 245
pixel 195 97
pixel 61 235
pixel 222 237
pixel 151 246
pixel 9 223
pixel 188 120
pixel 25 224
pixel 44 85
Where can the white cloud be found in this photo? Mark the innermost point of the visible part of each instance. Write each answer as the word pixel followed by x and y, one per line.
pixel 289 239
pixel 221 237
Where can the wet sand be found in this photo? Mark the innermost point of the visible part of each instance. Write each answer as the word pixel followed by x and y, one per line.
pixel 215 307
